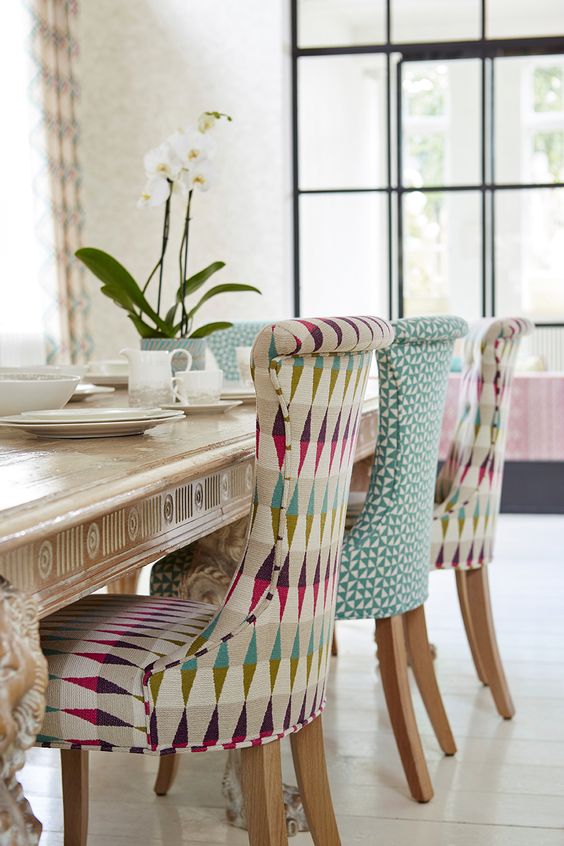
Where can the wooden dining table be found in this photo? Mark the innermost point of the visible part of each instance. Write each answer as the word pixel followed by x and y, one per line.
pixel 76 515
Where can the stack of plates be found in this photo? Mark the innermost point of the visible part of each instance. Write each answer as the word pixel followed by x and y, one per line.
pixel 238 391
pixel 86 390
pixel 108 380
pixel 90 422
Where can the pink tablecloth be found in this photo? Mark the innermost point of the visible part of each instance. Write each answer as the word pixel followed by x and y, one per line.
pixel 536 417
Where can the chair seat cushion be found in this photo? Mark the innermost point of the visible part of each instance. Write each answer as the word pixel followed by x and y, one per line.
pixel 98 650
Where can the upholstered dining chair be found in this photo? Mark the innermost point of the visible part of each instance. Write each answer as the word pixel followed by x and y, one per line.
pixel 168 573
pixel 384 564
pixel 164 676
pixel 224 343
pixel 468 489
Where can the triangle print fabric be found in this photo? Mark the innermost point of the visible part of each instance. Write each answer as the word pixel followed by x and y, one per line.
pixel 385 558
pixel 468 490
pixel 254 669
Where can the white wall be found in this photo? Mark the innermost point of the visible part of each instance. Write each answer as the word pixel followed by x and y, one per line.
pixel 148 66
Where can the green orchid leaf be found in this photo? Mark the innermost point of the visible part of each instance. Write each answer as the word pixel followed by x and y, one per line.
pixel 144 330
pixel 209 328
pixel 171 314
pixel 221 289
pixel 193 283
pixel 118 296
pixel 114 275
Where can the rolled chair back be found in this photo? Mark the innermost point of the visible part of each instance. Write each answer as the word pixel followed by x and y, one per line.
pixel 384 563
pixel 468 489
pixel 268 646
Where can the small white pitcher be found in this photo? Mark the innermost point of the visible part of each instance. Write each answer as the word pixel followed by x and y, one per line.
pixel 150 375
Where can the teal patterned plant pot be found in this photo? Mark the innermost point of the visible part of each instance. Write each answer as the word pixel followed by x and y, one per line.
pixel 195 346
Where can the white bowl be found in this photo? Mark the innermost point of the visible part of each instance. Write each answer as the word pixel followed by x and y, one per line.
pixel 56 369
pixel 33 390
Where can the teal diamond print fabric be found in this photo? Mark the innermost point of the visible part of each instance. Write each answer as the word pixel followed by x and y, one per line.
pixel 385 557
pixel 224 343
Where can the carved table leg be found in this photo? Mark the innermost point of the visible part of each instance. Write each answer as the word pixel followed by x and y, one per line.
pixel 23 680
pixel 206 580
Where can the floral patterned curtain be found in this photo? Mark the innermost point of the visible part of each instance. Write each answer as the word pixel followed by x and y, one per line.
pixel 55 93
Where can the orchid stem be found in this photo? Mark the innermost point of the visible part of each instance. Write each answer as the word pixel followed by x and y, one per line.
pixel 166 226
pixel 184 266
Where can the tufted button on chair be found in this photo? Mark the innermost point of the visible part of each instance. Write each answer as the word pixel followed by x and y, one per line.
pixel 164 676
pixel 468 489
pixel 384 563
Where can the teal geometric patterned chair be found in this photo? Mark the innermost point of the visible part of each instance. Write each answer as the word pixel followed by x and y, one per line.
pixel 384 563
pixel 165 676
pixel 224 343
pixel 468 490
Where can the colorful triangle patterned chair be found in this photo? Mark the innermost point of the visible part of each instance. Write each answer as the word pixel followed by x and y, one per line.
pixel 169 571
pixel 384 563
pixel 162 676
pixel 468 490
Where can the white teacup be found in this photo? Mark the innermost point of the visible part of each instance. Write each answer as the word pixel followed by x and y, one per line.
pixel 244 364
pixel 198 387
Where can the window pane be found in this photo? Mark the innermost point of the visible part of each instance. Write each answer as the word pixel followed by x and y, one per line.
pixel 441 123
pixel 548 87
pixel 330 23
pixel 342 120
pixel 436 21
pixel 25 264
pixel 529 242
pixel 529 119
pixel 343 254
pixel 442 253
pixel 514 18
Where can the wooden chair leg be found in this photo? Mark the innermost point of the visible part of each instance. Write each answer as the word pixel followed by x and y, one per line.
pixel 261 780
pixel 477 586
pixel 467 619
pixel 74 772
pixel 424 672
pixel 393 672
pixel 168 767
pixel 308 752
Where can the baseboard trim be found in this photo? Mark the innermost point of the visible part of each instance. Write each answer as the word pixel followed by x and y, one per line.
pixel 533 487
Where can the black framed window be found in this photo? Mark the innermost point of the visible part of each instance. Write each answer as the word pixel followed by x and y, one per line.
pixel 429 157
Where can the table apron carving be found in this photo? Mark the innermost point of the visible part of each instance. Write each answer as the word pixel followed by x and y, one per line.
pixel 54 569
pixel 63 556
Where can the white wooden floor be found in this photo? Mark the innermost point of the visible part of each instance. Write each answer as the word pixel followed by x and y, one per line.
pixel 504 788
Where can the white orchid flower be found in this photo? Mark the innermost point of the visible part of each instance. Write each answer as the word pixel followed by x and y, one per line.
pixel 199 177
pixel 192 147
pixel 155 193
pixel 162 162
pixel 206 121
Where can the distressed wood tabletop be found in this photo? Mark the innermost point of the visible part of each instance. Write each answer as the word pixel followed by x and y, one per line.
pixel 75 514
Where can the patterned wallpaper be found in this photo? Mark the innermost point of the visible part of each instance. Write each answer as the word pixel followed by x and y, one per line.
pixel 149 65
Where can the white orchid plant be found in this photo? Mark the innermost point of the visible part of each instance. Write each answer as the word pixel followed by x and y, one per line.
pixel 180 165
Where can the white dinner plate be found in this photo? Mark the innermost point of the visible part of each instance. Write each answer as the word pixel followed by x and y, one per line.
pixel 238 391
pixel 108 380
pixel 85 390
pixel 220 407
pixel 89 415
pixel 90 428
